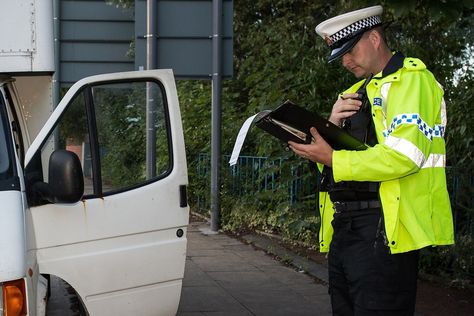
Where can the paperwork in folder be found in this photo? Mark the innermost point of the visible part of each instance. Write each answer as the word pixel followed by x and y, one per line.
pixel 242 134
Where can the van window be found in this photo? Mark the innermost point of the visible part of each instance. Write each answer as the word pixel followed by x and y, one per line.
pixel 119 131
pixel 132 133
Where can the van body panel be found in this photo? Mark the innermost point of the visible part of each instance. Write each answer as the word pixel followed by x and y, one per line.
pixel 35 95
pixel 12 237
pixel 30 47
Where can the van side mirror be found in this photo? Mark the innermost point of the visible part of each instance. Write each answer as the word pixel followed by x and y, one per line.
pixel 65 180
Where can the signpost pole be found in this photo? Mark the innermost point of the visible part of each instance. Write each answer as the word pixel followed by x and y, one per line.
pixel 216 112
pixel 151 60
pixel 57 52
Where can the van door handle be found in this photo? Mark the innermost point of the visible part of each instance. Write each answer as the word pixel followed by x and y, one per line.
pixel 183 196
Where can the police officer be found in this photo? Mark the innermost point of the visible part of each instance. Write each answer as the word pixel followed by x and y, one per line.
pixel 383 204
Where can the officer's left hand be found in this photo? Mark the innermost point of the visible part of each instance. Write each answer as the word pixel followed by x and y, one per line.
pixel 318 151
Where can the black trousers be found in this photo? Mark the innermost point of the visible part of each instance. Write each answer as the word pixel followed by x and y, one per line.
pixel 364 278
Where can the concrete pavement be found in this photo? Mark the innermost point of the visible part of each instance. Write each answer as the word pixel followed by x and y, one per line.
pixel 225 276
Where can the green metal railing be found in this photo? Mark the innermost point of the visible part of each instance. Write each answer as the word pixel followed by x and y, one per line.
pixel 254 174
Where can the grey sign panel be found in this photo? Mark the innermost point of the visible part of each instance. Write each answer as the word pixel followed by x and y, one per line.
pixel 90 31
pixel 73 71
pixel 81 52
pixel 191 18
pixel 92 10
pixel 95 38
pixel 184 37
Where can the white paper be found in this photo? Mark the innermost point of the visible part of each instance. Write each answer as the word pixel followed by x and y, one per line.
pixel 241 137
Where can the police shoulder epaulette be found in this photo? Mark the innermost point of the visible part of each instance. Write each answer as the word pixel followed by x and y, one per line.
pixel 413 64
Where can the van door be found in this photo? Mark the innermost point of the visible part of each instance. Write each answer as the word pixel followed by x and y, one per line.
pixel 122 246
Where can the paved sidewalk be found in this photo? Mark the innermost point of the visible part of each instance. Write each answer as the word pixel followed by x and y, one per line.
pixel 226 277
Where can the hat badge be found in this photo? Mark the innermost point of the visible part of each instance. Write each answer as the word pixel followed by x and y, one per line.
pixel 328 40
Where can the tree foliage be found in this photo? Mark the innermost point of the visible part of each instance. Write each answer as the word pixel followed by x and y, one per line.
pixel 277 55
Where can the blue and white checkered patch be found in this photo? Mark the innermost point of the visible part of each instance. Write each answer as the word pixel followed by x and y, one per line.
pixel 438 131
pixel 414 118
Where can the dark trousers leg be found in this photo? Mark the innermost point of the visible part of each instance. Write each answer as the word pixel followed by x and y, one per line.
pixel 341 301
pixel 364 278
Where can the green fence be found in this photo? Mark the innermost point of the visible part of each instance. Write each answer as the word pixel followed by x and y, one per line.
pixel 253 174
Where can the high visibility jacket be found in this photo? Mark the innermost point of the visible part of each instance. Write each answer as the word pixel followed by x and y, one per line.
pixel 409 160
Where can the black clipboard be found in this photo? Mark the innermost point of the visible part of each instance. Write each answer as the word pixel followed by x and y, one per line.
pixel 292 122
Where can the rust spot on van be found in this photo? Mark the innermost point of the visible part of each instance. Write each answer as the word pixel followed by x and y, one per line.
pixel 30 272
pixel 84 208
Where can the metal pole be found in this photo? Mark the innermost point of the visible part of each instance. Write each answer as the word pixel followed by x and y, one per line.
pixel 150 34
pixel 216 112
pixel 150 91
pixel 57 52
pixel 57 62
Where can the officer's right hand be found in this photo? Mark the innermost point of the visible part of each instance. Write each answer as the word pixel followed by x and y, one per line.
pixel 346 106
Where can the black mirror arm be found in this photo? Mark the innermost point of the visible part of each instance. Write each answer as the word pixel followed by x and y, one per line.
pixel 41 191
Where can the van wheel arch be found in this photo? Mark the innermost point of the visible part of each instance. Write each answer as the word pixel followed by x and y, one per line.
pixel 56 283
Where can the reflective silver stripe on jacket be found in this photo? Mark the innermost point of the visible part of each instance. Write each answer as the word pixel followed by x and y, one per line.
pixel 406 148
pixel 384 94
pixel 435 161
pixel 409 150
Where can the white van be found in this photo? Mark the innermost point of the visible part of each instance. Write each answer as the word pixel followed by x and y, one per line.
pixel 98 198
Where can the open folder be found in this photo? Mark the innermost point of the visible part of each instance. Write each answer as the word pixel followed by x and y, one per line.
pixel 292 122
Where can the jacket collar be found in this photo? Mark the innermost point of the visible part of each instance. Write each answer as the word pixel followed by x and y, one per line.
pixel 395 63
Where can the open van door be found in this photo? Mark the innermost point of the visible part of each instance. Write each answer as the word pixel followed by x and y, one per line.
pixel 106 184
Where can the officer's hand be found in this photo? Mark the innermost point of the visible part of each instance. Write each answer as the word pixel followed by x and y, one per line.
pixel 318 151
pixel 345 106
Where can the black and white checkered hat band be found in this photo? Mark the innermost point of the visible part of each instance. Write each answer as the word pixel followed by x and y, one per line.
pixel 347 32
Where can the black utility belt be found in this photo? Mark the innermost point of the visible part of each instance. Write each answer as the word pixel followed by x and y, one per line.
pixel 355 186
pixel 350 206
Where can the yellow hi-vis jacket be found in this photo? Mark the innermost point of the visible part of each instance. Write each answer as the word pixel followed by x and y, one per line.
pixel 409 160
